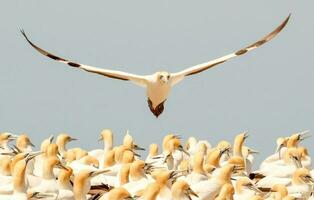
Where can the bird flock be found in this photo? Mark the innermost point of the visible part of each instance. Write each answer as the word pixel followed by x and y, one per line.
pixel 179 170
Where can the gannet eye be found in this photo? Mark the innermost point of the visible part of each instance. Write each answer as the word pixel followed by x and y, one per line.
pixel 168 76
pixel 160 77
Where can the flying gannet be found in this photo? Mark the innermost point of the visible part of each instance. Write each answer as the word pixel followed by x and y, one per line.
pixel 159 84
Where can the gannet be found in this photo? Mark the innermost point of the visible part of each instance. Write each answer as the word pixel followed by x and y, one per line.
pixel 159 84
pixel 106 136
pixel 64 184
pixel 24 143
pixel 245 189
pixel 302 182
pixel 181 190
pixel 49 184
pixel 82 183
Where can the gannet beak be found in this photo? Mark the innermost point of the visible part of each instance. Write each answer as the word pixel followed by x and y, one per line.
pixel 308 179
pixel 30 143
pixel 12 137
pixel 279 149
pixel 297 162
pixel 72 139
pixel 183 150
pixel 246 135
pixel 60 166
pixel 254 188
pixel 136 147
pixel 190 193
pixel 100 139
pixel 39 195
pixel 304 135
pixel 51 138
pixel 253 151
pixel 98 172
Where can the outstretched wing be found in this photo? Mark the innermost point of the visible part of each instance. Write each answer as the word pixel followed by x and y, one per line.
pixel 137 79
pixel 177 77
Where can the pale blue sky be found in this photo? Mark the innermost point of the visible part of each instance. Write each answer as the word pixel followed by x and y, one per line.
pixel 268 92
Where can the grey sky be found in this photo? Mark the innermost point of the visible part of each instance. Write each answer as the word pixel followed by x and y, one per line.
pixel 268 91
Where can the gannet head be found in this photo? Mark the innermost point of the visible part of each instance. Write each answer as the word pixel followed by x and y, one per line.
pixel 292 154
pixel 281 189
pixel 239 162
pixel 52 150
pixel 175 144
pixel 181 190
pixel 81 184
pixel 119 194
pixel 294 139
pixel 69 156
pixel 304 152
pixel 7 137
pixel 238 143
pixel 45 143
pixel 245 182
pixel 106 135
pixel 90 160
pixel 163 77
pixel 64 176
pixel 301 176
pixel 23 142
pixel 63 139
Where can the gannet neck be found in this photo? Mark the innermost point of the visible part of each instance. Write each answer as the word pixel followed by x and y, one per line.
pixel 151 191
pixel 153 150
pixel 225 174
pixel 198 163
pixel 5 166
pixel 109 158
pixel 81 185
pixel 226 192
pixel 280 189
pixel 49 163
pixel 107 137
pixel 124 174
pixel 19 180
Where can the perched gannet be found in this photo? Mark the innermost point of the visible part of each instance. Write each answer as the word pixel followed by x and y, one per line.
pixel 281 148
pixel 226 192
pixel 49 185
pixel 249 158
pixel 64 184
pixel 181 190
pixel 62 140
pixel 106 136
pixel 40 159
pixel 20 184
pixel 198 173
pixel 137 176
pixel 82 183
pixel 278 192
pixel 159 84
pixel 245 189
pixel 86 162
pixel 207 190
pixel 302 182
